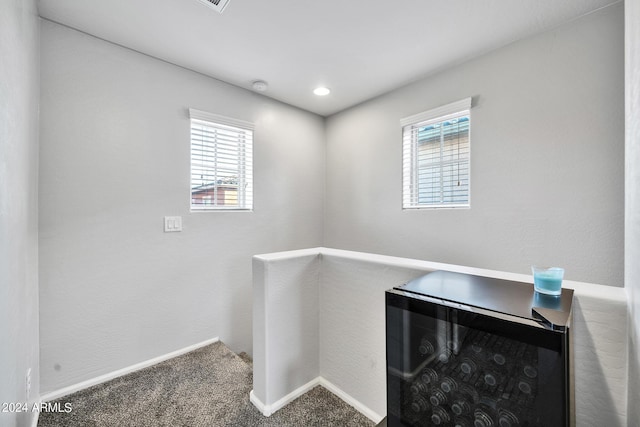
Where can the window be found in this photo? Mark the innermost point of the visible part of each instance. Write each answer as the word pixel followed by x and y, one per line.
pixel 221 162
pixel 435 157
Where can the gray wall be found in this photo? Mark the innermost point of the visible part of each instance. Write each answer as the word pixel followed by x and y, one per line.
pixel 19 87
pixel 632 202
pixel 115 289
pixel 547 157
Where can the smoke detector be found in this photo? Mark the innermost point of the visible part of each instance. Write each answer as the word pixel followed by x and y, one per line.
pixel 217 5
pixel 260 85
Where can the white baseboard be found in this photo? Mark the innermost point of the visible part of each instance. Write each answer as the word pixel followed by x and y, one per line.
pixel 268 410
pixel 359 406
pixel 57 394
pixel 258 404
pixel 34 420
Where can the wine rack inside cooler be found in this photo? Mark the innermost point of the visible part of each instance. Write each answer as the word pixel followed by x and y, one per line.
pixel 452 365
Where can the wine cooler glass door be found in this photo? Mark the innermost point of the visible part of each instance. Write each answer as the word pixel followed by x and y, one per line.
pixel 449 367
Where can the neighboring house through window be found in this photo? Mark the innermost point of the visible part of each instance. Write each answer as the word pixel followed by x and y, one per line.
pixel 221 162
pixel 436 157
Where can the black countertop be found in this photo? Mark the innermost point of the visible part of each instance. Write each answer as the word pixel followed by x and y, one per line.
pixel 498 295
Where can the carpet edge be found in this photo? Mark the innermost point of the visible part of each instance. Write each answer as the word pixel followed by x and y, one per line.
pixel 83 385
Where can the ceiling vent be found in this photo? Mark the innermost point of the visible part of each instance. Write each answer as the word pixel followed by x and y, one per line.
pixel 217 5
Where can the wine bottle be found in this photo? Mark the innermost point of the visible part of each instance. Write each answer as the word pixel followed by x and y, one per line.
pixel 419 387
pixel 449 384
pixel 468 392
pixel 438 397
pixel 511 413
pixel 419 404
pixel 485 414
pixel 506 418
pixel 480 342
pixel 495 355
pixel 468 365
pixel 492 377
pixel 498 358
pixel 429 376
pixel 515 411
pixel 440 416
pixel 461 406
pixel 427 346
pixel 462 422
pixel 529 371
pixel 445 356
pixel 483 418
pixel 526 385
pixel 464 401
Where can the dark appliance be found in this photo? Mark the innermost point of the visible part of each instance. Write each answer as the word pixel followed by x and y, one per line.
pixel 466 350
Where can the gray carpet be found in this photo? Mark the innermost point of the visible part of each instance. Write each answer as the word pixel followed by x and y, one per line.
pixel 207 387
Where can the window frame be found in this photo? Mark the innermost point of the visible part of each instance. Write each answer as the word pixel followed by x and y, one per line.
pixel 409 125
pixel 219 122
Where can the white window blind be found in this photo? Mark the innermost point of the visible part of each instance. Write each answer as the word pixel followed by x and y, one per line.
pixel 221 162
pixel 436 157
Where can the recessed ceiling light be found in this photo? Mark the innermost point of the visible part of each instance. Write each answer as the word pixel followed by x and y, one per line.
pixel 322 91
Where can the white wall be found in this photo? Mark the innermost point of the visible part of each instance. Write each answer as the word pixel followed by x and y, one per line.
pixel 547 156
pixel 115 289
pixel 19 89
pixel 632 201
pixel 351 330
pixel 285 336
pixel 352 322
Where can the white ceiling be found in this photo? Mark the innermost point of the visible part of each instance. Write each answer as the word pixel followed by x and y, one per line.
pixel 358 48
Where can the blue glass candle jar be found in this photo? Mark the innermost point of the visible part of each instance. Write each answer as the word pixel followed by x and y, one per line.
pixel 547 280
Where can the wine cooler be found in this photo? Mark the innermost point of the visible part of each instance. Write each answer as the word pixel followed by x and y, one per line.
pixel 470 351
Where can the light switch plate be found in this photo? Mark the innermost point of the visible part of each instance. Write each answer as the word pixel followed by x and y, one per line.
pixel 172 223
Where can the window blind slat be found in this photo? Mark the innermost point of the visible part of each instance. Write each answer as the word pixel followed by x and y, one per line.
pixel 221 163
pixel 436 152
